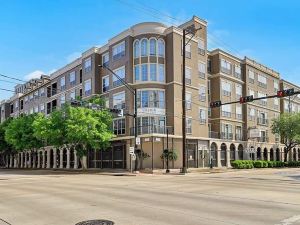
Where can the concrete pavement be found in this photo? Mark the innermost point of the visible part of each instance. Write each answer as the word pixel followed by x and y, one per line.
pixel 270 196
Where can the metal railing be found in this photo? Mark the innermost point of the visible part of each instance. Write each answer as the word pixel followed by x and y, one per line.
pixel 152 129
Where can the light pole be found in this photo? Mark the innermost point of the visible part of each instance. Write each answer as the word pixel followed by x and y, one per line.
pixel 186 31
pixel 134 93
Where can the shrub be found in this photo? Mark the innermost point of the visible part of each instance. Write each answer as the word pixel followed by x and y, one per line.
pixel 242 164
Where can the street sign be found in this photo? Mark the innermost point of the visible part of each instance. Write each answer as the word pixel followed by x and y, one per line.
pixel 131 150
pixel 138 140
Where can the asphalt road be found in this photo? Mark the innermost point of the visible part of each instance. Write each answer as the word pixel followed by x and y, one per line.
pixel 255 197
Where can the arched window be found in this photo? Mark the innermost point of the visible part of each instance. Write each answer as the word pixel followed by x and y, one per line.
pixel 161 48
pixel 144 47
pixel 136 49
pixel 152 46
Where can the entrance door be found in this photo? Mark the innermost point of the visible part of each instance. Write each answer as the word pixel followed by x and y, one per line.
pixel 191 155
pixel 203 158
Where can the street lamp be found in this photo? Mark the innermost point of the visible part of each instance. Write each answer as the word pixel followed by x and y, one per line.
pixel 186 31
pixel 134 92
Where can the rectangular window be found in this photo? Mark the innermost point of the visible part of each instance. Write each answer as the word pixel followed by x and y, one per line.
pixel 251 114
pixel 188 53
pixel 238 91
pixel 151 98
pixel 153 72
pixel 62 83
pixel 189 125
pixel 87 87
pixel 202 115
pixel 262 81
pixel 201 69
pixel 62 99
pixel 262 101
pixel 88 65
pixel 137 72
pixel 119 100
pixel 72 95
pixel 251 76
pixel 121 73
pixel 42 92
pixel 118 51
pixel 42 108
pixel 276 86
pixel 72 78
pixel 188 100
pixel 226 88
pixel 30 97
pixel 161 72
pixel 202 93
pixel 226 131
pixel 26 99
pixel 36 109
pixel 188 75
pixel 201 47
pixel 237 72
pixel 225 66
pixel 276 103
pixel 105 83
pixel 36 94
pixel 119 126
pixel 226 110
pixel 105 59
pixel 144 72
pixel 238 111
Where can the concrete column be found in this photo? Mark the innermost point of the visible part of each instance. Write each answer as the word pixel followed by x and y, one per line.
pixel 39 160
pixel 219 158
pixel 68 158
pixel 75 160
pixel 54 158
pixel 44 153
pixel 48 158
pixel 297 156
pixel 10 161
pixel 22 159
pixel 6 161
pixel 25 159
pixel 261 154
pixel 34 160
pixel 61 152
pixel 16 161
pixel 228 158
pixel 268 154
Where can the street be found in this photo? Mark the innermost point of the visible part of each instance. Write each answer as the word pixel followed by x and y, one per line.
pixel 267 196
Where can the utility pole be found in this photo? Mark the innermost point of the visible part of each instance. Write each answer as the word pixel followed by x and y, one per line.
pixel 189 30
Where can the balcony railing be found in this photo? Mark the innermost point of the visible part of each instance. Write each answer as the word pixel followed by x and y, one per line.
pixel 225 70
pixel 226 136
pixel 152 129
pixel 239 137
pixel 262 121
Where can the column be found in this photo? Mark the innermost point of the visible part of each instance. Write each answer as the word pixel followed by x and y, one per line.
pixel 219 158
pixel 10 161
pixel 228 158
pixel 25 159
pixel 16 161
pixel 54 158
pixel 75 160
pixel 44 153
pixel 39 160
pixel 268 154
pixel 68 158
pixel 48 158
pixel 34 160
pixel 61 165
pixel 22 160
pixel 297 156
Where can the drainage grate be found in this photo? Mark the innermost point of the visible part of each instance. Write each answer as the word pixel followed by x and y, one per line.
pixel 96 222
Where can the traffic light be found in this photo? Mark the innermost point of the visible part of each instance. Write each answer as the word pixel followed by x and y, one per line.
pixel 246 99
pixel 215 104
pixel 284 93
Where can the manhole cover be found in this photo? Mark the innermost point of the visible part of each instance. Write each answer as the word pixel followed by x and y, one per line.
pixel 96 222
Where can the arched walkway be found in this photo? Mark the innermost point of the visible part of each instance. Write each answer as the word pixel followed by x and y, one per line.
pixel 277 154
pixel 214 153
pixel 232 152
pixel 223 154
pixel 265 154
pixel 271 154
pixel 240 152
pixel 258 153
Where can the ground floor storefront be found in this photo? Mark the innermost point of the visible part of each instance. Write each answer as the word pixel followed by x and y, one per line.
pixel 200 153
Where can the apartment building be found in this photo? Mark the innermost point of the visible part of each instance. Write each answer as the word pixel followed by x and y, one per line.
pixel 148 56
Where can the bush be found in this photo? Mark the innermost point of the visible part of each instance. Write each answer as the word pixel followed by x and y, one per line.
pixel 242 164
pixel 292 164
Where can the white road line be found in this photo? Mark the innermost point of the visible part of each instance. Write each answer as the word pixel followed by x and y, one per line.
pixel 290 220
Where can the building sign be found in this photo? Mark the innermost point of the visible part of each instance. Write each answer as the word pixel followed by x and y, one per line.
pixel 155 111
pixel 254 133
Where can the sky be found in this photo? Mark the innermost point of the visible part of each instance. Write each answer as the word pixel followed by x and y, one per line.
pixel 41 36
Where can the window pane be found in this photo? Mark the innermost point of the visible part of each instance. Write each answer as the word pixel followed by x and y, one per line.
pixel 144 72
pixel 136 49
pixel 137 72
pixel 161 73
pixel 152 47
pixel 144 47
pixel 161 48
pixel 153 72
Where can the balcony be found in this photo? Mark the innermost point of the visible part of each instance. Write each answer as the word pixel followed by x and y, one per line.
pixel 152 129
pixel 225 70
pixel 262 121
pixel 226 136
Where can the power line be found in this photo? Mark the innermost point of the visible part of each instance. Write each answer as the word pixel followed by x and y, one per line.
pixel 3 89
pixel 7 81
pixel 2 75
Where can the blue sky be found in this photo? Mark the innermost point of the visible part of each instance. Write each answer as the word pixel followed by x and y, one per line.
pixel 44 35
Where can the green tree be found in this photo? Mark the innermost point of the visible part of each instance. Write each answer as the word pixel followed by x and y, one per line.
pixel 5 148
pixel 87 128
pixel 20 133
pixel 288 127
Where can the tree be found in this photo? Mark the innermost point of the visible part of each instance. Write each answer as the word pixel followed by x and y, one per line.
pixel 88 128
pixel 20 133
pixel 5 148
pixel 288 127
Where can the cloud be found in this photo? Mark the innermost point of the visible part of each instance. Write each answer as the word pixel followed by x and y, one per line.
pixel 73 56
pixel 34 74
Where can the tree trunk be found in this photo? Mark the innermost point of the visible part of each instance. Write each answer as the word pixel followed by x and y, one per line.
pixel 83 161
